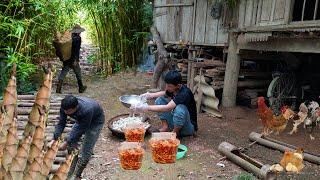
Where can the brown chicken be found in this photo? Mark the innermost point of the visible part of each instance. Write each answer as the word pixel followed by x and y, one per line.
pixel 271 122
pixel 292 161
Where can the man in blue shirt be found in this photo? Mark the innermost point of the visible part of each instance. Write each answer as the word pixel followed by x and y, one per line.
pixel 89 117
pixel 175 106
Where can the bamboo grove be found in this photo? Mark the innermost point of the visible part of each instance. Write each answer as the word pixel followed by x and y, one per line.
pixel 26 158
pixel 120 28
pixel 27 28
pixel 26 31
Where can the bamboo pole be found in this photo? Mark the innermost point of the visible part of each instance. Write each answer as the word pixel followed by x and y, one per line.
pixel 282 147
pixel 233 154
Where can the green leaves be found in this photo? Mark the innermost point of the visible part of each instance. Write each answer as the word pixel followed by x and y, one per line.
pixel 26 31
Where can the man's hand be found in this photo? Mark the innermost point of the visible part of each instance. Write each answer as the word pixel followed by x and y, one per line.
pixel 146 96
pixel 143 107
pixel 63 146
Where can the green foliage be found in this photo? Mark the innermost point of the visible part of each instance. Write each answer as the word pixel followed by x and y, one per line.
pixel 120 28
pixel 27 28
pixel 26 31
pixel 92 58
pixel 244 176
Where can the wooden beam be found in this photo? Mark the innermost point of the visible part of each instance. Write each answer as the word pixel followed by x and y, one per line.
pixel 232 73
pixel 173 5
pixel 284 45
pixel 288 27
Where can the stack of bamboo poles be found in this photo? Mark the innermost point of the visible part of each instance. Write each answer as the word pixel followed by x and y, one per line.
pixel 25 103
pixel 27 157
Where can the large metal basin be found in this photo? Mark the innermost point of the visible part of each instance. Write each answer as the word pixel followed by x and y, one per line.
pixel 128 100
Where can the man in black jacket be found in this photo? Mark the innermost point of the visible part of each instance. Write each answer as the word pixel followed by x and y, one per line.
pixel 89 117
pixel 73 62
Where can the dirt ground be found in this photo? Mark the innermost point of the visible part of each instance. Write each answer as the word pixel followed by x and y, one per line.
pixel 202 158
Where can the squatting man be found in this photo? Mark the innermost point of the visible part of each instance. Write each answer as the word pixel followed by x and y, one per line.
pixel 176 106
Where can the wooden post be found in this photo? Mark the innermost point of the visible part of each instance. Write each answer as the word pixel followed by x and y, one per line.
pixel 232 73
pixel 191 67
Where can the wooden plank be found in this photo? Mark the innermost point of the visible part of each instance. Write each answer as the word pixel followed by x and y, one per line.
pixel 249 13
pixel 170 32
pixel 287 27
pixel 200 23
pixel 289 9
pixel 259 12
pixel 254 12
pixel 285 45
pixel 242 12
pixel 266 9
pixel 178 21
pixel 272 9
pixel 174 5
pixel 211 35
pixel 279 10
pixel 161 20
pixel 186 22
pixel 222 34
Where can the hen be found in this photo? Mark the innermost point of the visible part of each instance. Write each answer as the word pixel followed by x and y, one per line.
pixel 308 114
pixel 271 122
pixel 292 161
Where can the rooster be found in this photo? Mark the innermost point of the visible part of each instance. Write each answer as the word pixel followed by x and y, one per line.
pixel 309 115
pixel 271 122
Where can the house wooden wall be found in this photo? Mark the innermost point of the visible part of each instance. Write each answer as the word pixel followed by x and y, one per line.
pixel 192 20
pixel 264 12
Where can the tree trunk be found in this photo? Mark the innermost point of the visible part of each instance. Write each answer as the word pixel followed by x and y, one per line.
pixel 162 57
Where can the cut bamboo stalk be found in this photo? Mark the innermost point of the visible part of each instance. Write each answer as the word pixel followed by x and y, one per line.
pixel 26 118
pixel 62 153
pixel 232 153
pixel 30 104
pixel 25 111
pixel 59 160
pixel 26 97
pixel 282 147
pixel 54 168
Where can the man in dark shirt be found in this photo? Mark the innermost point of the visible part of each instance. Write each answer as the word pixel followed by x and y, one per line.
pixel 176 106
pixel 90 119
pixel 73 62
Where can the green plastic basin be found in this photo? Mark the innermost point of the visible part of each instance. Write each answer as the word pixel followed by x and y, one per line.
pixel 182 150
